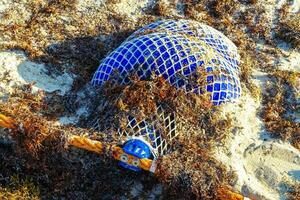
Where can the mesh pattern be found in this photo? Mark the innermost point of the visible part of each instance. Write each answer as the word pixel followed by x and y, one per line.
pixel 215 39
pixel 159 130
pixel 175 50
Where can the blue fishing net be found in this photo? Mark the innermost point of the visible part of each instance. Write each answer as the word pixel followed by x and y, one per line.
pixel 176 50
pixel 151 130
pixel 191 56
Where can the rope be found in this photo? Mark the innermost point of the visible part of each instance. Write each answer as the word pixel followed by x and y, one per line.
pixel 7 122
pixel 86 143
pixel 98 147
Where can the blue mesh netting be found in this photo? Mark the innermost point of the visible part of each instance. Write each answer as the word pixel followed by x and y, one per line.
pixel 151 130
pixel 177 51
pixel 183 52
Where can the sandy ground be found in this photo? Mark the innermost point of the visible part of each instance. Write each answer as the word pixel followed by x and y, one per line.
pixel 265 166
pixel 16 69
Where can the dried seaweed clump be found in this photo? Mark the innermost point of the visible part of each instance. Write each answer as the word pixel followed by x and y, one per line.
pixel 141 98
pixel 39 152
pixel 288 28
pixel 214 8
pixel 32 130
pixel 190 169
pixel 280 100
pixel 20 189
pixel 211 12
pixel 166 9
pixel 219 8
pixel 35 128
pixel 192 172
pixel 64 34
pixel 294 193
pixel 190 166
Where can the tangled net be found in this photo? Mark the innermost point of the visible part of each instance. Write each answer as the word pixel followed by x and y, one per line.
pixel 190 57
